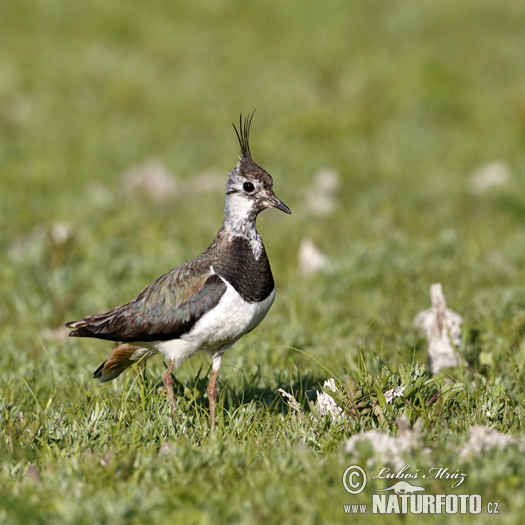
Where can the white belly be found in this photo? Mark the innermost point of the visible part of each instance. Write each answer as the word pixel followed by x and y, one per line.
pixel 218 329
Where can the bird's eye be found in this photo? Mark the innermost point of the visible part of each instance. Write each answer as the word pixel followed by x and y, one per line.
pixel 248 186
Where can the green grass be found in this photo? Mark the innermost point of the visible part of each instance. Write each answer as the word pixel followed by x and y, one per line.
pixel 405 101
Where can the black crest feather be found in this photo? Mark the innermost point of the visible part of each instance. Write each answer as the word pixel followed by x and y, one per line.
pixel 243 134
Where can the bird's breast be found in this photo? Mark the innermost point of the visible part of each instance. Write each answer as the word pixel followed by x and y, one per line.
pixel 251 277
pixel 219 328
pixel 233 317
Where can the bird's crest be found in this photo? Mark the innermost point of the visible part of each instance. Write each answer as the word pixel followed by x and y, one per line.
pixel 243 134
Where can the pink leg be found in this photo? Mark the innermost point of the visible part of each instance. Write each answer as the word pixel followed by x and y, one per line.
pixel 212 390
pixel 167 379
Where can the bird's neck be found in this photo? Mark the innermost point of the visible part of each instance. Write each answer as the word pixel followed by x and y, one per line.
pixel 239 221
pixel 239 216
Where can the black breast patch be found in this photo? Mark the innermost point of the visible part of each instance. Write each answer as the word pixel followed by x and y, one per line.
pixel 252 278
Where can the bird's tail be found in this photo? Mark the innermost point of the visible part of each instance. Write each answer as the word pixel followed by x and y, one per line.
pixel 122 357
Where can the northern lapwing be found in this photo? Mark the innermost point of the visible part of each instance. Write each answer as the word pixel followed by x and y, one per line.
pixel 207 303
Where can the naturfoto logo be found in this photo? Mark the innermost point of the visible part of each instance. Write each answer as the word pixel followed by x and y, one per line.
pixel 405 497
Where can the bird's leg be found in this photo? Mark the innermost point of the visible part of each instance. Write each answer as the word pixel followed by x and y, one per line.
pixel 212 390
pixel 167 379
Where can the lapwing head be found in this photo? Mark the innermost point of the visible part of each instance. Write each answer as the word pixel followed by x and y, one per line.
pixel 250 188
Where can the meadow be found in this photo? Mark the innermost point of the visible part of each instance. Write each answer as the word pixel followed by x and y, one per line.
pixel 395 132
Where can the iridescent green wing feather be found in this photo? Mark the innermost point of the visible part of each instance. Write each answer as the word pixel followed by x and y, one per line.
pixel 164 310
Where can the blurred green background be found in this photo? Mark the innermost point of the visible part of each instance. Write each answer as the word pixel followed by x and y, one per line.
pixel 403 102
pixel 412 113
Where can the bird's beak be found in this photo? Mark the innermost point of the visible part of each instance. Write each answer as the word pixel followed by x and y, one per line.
pixel 275 202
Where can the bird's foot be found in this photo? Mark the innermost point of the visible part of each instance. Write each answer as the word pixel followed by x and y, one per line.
pixel 167 379
pixel 212 394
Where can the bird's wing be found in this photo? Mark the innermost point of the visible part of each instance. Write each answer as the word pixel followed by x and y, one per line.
pixel 164 310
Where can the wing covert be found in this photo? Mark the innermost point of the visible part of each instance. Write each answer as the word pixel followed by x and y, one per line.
pixel 166 309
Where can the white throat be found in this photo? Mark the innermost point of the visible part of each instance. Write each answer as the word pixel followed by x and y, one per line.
pixel 239 221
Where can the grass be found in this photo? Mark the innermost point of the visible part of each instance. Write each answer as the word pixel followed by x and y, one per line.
pixel 405 102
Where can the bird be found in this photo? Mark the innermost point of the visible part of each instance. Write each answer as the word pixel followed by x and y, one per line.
pixel 207 303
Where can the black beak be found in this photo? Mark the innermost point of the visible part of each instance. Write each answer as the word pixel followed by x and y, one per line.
pixel 275 202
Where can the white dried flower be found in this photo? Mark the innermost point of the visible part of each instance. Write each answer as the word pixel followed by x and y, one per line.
pixel 484 438
pixel 391 394
pixel 320 196
pixel 492 175
pixel 292 402
pixel 326 403
pixel 442 328
pixel 390 448
pixel 60 232
pixel 151 179
pixel 310 258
